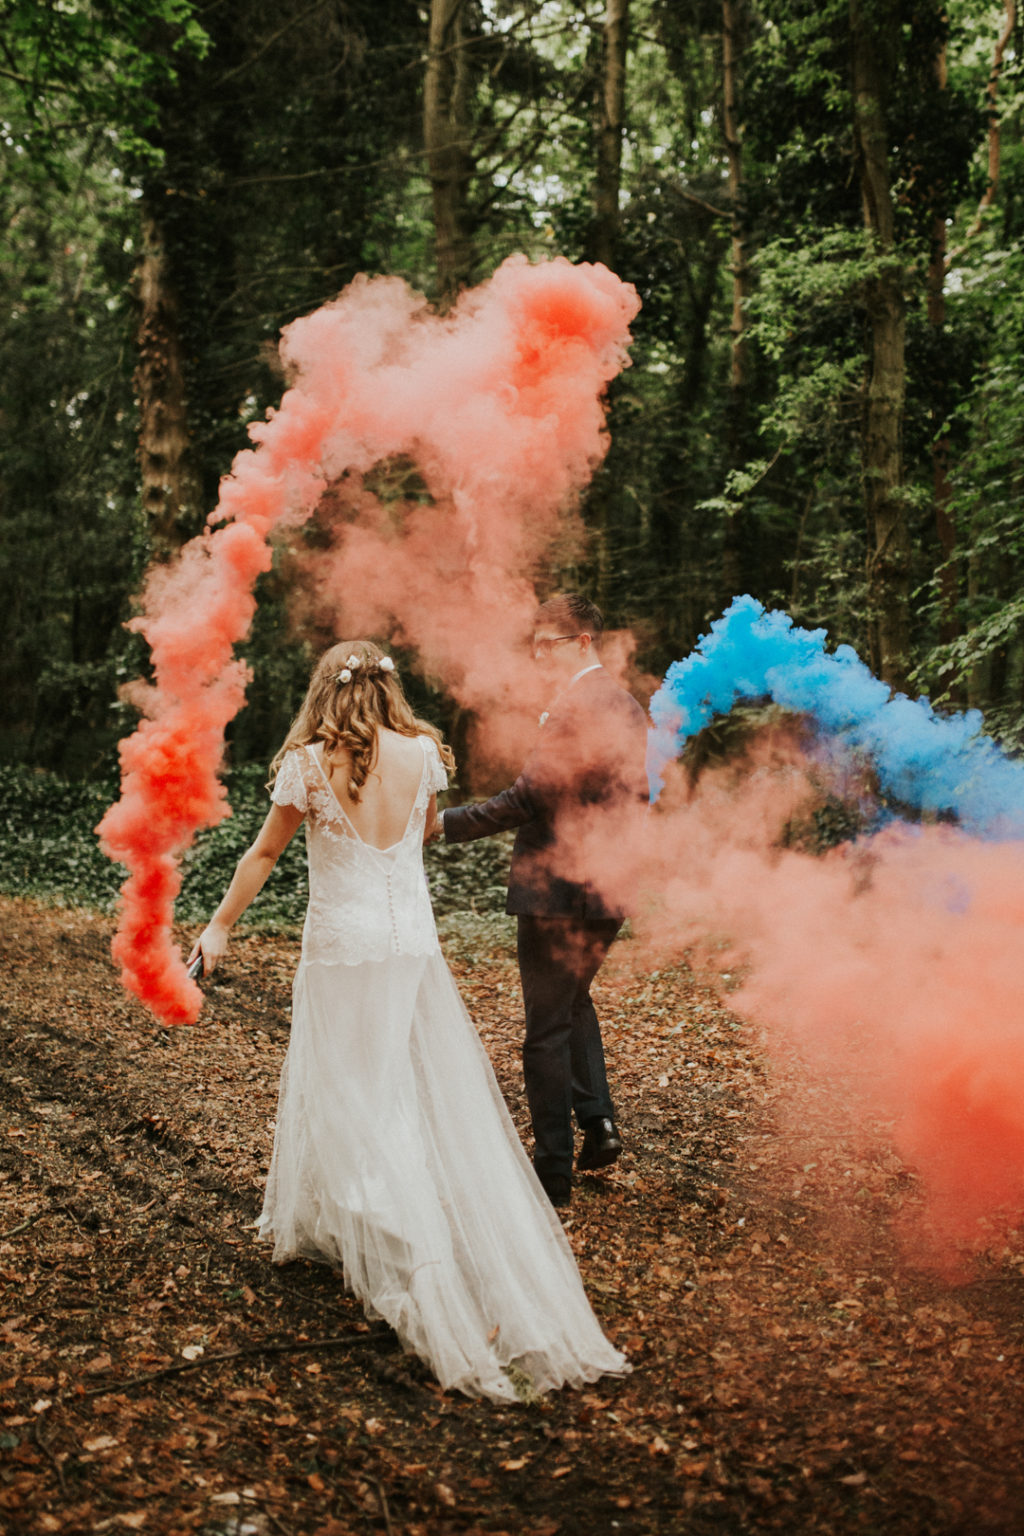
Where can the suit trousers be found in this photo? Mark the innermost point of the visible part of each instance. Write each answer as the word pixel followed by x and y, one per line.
pixel 563 1057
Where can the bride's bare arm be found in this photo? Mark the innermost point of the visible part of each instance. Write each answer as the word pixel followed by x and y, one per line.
pixel 248 880
pixel 432 824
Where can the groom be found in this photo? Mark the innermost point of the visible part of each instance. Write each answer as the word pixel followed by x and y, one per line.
pixel 577 806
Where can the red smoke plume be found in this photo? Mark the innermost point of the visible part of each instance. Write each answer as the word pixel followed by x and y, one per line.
pixel 892 965
pixel 499 405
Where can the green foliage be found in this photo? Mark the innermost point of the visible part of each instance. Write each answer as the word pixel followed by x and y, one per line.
pixel 209 864
pixel 73 541
pixel 469 877
pixel 90 64
pixel 49 850
pixel 985 661
pixel 277 148
pixel 806 282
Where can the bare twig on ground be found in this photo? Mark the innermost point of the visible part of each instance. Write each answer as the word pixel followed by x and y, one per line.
pixel 382 1499
pixel 275 1522
pixel 24 1226
pixel 293 1346
pixel 37 1435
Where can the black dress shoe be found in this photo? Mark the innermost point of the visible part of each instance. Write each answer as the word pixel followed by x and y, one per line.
pixel 559 1194
pixel 558 1189
pixel 602 1144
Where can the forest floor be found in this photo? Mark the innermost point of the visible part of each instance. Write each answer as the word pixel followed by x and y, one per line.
pixel 793 1372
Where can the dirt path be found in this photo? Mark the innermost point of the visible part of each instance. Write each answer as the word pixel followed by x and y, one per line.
pixel 157 1374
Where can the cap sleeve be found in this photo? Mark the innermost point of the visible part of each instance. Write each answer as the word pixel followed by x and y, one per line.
pixel 437 778
pixel 290 784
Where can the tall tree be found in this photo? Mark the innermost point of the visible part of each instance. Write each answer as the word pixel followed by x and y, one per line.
pixel 448 134
pixel 945 528
pixel 76 97
pixel 172 492
pixel 995 134
pixel 737 533
pixel 990 572
pixel 873 44
pixel 610 127
pixel 780 277
pixel 282 172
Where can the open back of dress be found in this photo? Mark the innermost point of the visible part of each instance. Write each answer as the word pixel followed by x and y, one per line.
pixel 394 1154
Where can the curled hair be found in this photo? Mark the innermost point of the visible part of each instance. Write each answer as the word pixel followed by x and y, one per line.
pixel 346 716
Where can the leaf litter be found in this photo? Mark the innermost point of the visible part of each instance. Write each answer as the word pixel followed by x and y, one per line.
pixel 793 1370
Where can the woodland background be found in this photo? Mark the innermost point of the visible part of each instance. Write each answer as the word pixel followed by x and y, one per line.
pixel 821 203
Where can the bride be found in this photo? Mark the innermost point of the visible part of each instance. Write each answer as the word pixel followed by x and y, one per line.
pixel 394 1155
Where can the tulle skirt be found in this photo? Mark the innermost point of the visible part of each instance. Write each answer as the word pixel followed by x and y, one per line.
pixel 395 1158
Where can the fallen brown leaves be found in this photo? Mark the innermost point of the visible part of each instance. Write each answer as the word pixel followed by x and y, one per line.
pixel 792 1372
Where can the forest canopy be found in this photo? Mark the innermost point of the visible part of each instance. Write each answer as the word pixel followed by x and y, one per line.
pixel 821 206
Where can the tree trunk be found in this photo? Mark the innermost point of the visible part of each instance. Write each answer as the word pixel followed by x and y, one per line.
pixel 171 492
pixel 980 689
pixel 949 581
pixel 604 240
pixel 888 564
pixel 994 126
pixel 611 122
pixel 734 561
pixel 447 92
pixel 949 624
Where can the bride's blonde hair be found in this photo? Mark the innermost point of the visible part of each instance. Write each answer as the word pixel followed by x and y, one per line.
pixel 346 712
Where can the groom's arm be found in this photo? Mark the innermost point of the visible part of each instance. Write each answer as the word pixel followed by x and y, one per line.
pixel 532 798
pixel 512 808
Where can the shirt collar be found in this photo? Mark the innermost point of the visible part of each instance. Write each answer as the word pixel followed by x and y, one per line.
pixel 593 667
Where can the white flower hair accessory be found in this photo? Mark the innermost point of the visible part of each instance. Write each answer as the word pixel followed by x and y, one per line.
pixel 385 664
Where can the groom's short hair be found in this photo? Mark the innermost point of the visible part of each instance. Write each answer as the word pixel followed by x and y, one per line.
pixel 573 613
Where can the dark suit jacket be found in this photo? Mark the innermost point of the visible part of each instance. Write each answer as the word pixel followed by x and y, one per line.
pixel 577 806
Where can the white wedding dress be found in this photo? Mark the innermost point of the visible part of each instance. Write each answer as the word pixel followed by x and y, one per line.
pixel 394 1154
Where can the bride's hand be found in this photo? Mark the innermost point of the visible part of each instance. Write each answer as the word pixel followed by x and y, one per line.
pixel 212 944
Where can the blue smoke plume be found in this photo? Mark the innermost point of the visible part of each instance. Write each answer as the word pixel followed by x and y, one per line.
pixel 937 764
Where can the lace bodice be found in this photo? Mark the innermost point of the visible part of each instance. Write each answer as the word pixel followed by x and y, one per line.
pixel 365 903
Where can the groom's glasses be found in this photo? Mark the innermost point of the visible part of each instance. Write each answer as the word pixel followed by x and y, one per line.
pixel 546 646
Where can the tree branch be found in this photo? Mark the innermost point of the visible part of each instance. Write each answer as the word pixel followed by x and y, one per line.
pixel 691 197
pixel 275 37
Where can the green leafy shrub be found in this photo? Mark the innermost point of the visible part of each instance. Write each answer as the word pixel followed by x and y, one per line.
pixel 49 850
